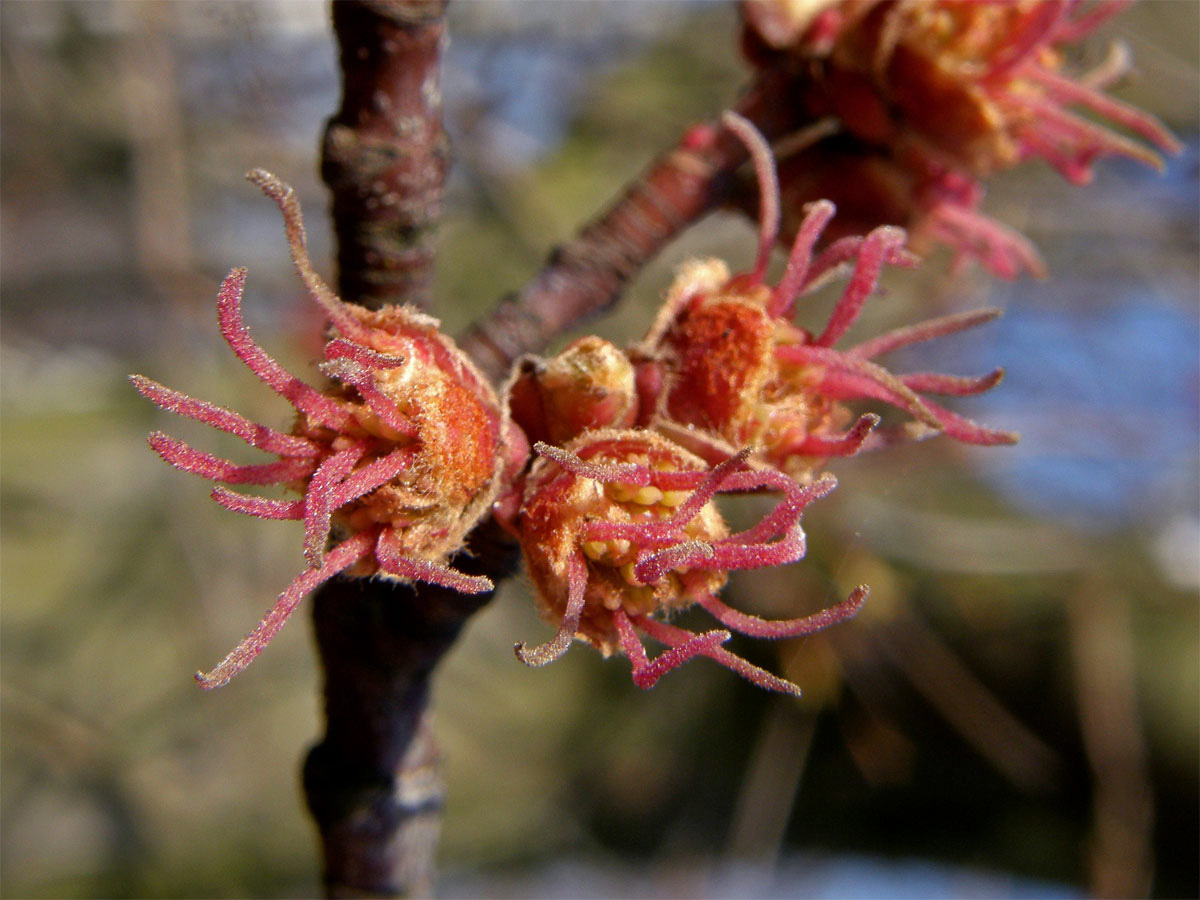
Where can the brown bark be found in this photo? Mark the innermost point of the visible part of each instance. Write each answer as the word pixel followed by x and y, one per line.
pixel 372 782
pixel 585 276
pixel 385 152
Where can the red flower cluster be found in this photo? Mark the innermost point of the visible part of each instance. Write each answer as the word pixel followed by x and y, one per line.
pixel 407 447
pixel 619 529
pixel 933 95
pixel 395 459
pixel 724 367
pixel 618 522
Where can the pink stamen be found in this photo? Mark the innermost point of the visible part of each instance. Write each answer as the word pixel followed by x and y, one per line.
pixel 768 187
pixel 646 673
pixel 785 514
pixel 678 637
pixel 626 473
pixel 732 556
pixel 1063 90
pixel 372 476
pixel 783 300
pixel 923 331
pixel 387 552
pixel 260 507
pixel 749 549
pixel 1070 30
pixel 1003 250
pixel 1087 138
pixel 969 432
pixel 258 436
pixel 576 593
pixel 320 500
pixel 304 397
pixel 847 377
pixel 846 444
pixel 871 257
pixel 845 249
pixel 774 629
pixel 352 373
pixel 340 348
pixel 339 559
pixel 683 556
pixel 198 462
pixel 1076 168
pixel 1032 35
pixel 953 385
pixel 285 197
pixel 672 526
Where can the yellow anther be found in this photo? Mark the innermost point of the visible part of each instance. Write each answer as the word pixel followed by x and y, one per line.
pixel 641 599
pixel 674 498
pixel 619 547
pixel 621 492
pixel 647 495
pixel 627 573
pixel 594 549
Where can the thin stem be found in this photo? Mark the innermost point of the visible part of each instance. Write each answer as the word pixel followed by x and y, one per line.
pixel 372 782
pixel 585 276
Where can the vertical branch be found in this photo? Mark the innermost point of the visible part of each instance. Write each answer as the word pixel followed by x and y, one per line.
pixel 385 152
pixel 372 783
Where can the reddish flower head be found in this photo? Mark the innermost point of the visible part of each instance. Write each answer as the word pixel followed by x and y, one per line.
pixel 619 530
pixel 395 459
pixel 873 186
pixel 728 369
pixel 928 97
pixel 976 85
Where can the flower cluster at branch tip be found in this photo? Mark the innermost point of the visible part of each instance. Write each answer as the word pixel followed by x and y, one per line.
pixel 724 367
pixel 407 447
pixel 395 459
pixel 934 95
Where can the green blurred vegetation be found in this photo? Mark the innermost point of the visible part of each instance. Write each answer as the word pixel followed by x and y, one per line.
pixel 944 723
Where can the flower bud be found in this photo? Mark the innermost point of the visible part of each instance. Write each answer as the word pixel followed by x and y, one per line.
pixel 589 385
pixel 976 86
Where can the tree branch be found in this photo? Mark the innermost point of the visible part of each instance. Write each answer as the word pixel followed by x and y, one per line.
pixel 585 276
pixel 372 783
pixel 385 152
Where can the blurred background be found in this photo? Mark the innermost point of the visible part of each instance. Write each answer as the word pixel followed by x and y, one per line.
pixel 1015 713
